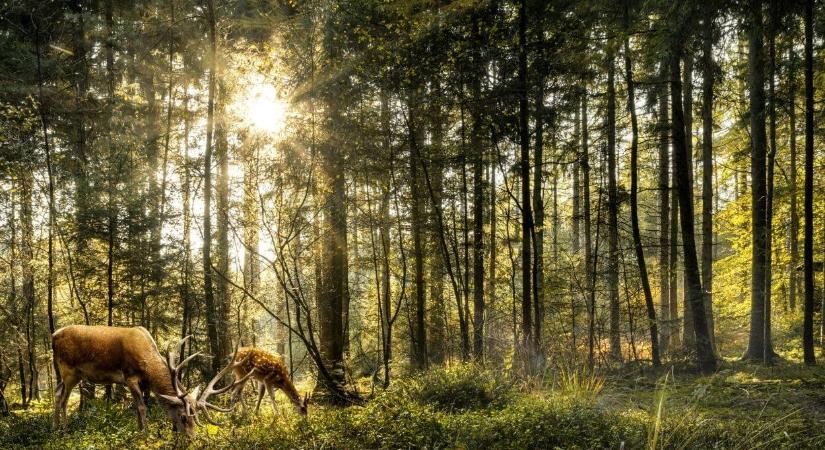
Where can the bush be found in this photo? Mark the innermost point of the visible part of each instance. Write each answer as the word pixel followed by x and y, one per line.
pixel 455 389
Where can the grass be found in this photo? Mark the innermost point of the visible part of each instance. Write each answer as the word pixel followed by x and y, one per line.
pixel 740 407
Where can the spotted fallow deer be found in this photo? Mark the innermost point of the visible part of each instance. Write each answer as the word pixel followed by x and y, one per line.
pixel 129 356
pixel 271 373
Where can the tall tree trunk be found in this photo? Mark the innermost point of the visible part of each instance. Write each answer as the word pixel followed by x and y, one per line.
pixel 589 269
pixel 634 200
pixel 386 304
pixel 49 172
pixel 209 297
pixel 438 317
pixel 111 225
pixel 186 199
pixel 613 213
pixel 222 202
pixel 524 171
pixel 693 281
pixel 419 338
pixel 688 336
pixel 27 266
pixel 538 213
pixel 478 194
pixel 758 341
pixel 771 161
pixel 808 239
pixel 576 225
pixel 794 225
pixel 251 227
pixel 664 210
pixel 673 269
pixel 707 168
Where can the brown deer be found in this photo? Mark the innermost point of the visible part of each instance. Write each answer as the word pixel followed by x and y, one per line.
pixel 270 371
pixel 129 356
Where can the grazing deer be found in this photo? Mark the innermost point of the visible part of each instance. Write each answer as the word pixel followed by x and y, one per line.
pixel 129 356
pixel 270 371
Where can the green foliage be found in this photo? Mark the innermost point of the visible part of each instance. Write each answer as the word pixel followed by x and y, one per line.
pixel 458 388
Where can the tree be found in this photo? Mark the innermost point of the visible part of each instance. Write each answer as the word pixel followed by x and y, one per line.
pixel 634 198
pixel 708 73
pixel 693 282
pixel 613 211
pixel 758 340
pixel 808 231
pixel 209 296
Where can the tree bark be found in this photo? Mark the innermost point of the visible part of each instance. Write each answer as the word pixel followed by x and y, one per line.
pixel 634 186
pixel 418 355
pixel 613 214
pixel 538 214
pixel 693 282
pixel 707 168
pixel 808 229
pixel 524 170
pixel 209 297
pixel 222 196
pixel 794 203
pixel 477 150
pixel 688 335
pixel 757 341
pixel 664 211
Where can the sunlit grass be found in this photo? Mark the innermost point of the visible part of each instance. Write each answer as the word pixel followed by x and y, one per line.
pixel 468 406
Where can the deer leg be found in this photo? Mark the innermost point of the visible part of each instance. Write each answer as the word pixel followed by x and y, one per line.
pixel 62 393
pixel 271 390
pixel 237 394
pixel 261 390
pixel 137 398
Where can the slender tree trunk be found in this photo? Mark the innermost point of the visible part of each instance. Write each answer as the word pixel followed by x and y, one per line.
pixel 613 214
pixel 49 171
pixel 664 211
pixel 251 226
pixel 693 282
pixel 771 161
pixel 478 195
pixel 688 336
pixel 27 264
pixel 576 225
pixel 221 286
pixel 186 193
pixel 438 317
pixel 794 225
pixel 634 207
pixel 758 341
pixel 419 339
pixel 538 213
pixel 808 239
pixel 707 169
pixel 524 168
pixel 209 297
pixel 589 269
pixel 386 305
pixel 673 270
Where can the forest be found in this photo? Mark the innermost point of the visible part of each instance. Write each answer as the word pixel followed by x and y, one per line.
pixel 502 224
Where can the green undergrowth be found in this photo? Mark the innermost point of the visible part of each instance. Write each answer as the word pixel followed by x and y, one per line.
pixel 465 407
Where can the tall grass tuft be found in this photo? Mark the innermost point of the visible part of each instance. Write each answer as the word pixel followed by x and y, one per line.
pixel 579 383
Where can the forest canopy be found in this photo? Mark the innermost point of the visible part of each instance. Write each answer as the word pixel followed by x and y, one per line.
pixel 412 192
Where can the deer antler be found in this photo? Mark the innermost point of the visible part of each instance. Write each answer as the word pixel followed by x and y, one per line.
pixel 175 367
pixel 202 397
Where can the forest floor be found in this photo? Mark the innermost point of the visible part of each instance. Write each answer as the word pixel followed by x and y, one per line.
pixel 742 406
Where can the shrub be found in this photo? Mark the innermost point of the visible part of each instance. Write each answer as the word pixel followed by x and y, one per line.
pixel 460 388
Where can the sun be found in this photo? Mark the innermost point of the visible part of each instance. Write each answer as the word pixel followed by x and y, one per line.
pixel 260 108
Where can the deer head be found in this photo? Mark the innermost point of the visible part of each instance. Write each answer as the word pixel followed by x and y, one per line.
pixel 302 408
pixel 185 406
